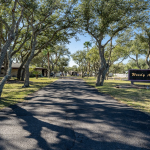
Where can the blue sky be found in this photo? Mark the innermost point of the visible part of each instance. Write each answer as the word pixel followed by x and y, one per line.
pixel 78 45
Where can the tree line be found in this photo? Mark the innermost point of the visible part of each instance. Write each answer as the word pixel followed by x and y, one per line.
pixel 30 28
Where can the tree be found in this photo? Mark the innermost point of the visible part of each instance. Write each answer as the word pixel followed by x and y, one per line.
pixel 8 74
pixel 56 55
pixel 59 51
pixel 63 62
pixel 136 48
pixel 118 68
pixel 50 16
pixel 87 45
pixel 43 24
pixel 145 40
pixel 33 71
pixel 80 58
pixel 47 52
pixel 107 18
pixel 93 56
pixel 74 68
pixel 12 29
pixel 133 65
pixel 11 24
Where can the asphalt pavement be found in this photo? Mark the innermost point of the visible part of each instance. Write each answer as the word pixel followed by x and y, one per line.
pixel 70 115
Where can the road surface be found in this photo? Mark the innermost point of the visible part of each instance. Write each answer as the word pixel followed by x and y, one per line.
pixel 70 115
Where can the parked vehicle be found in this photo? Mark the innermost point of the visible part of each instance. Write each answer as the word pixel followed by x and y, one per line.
pixel 51 74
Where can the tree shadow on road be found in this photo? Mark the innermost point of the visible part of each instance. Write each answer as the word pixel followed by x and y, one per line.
pixel 72 104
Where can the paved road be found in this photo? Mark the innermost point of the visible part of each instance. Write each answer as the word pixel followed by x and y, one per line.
pixel 70 115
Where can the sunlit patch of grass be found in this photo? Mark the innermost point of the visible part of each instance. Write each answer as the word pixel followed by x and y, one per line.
pixel 14 93
pixel 43 79
pixel 136 98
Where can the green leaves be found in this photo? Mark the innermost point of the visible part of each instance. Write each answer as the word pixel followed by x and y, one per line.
pixel 99 15
pixel 87 44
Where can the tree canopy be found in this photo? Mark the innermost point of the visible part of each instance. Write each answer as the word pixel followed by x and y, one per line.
pixel 35 32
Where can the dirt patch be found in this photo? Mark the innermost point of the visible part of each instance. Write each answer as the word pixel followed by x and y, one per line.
pixel 133 86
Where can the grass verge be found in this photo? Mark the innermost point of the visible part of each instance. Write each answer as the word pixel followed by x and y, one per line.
pixel 136 98
pixel 14 93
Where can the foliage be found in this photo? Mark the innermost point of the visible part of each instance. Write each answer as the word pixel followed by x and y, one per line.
pixel 33 71
pixel 63 62
pixel 99 23
pixel 132 64
pixel 94 59
pixel 87 44
pixel 74 68
pixel 80 58
pixel 118 68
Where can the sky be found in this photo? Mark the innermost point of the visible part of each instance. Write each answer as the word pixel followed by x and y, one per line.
pixel 78 45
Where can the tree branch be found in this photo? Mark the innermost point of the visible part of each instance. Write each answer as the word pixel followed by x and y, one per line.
pixel 5 23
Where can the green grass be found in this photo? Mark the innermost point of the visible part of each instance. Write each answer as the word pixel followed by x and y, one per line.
pixel 14 93
pixel 136 98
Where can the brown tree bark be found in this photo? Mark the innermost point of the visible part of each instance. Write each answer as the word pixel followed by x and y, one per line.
pixel 27 74
pixel 48 65
pixel 8 75
pixel 12 30
pixel 4 51
pixel 5 64
pixel 104 67
pixel 148 56
pixel 23 74
pixel 21 67
pixel 1 32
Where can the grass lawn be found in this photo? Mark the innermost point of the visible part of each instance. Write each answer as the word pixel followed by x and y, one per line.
pixel 136 98
pixel 14 93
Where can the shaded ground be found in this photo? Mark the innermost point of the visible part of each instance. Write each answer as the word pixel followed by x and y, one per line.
pixel 14 93
pixel 70 115
pixel 138 98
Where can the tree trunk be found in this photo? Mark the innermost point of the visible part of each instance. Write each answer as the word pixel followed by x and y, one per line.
pixel 4 51
pixel 1 32
pixel 13 31
pixel 104 67
pixel 101 75
pixel 148 56
pixel 82 71
pixel 21 67
pixel 107 74
pixel 26 83
pixel 8 75
pixel 23 74
pixel 56 61
pixel 137 63
pixel 48 65
pixel 19 72
pixel 89 68
pixel 5 64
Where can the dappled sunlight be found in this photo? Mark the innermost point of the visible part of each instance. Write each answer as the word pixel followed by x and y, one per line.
pixel 71 115
pixel 137 98
pixel 43 79
pixel 13 93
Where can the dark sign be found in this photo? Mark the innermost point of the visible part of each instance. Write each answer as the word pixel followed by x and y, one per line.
pixel 139 75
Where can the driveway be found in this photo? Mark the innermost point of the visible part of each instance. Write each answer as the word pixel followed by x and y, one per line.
pixel 70 115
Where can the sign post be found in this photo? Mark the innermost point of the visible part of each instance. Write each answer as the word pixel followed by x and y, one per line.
pixel 136 75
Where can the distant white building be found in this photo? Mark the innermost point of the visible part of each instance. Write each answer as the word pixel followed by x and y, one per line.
pixel 57 74
pixel 121 75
